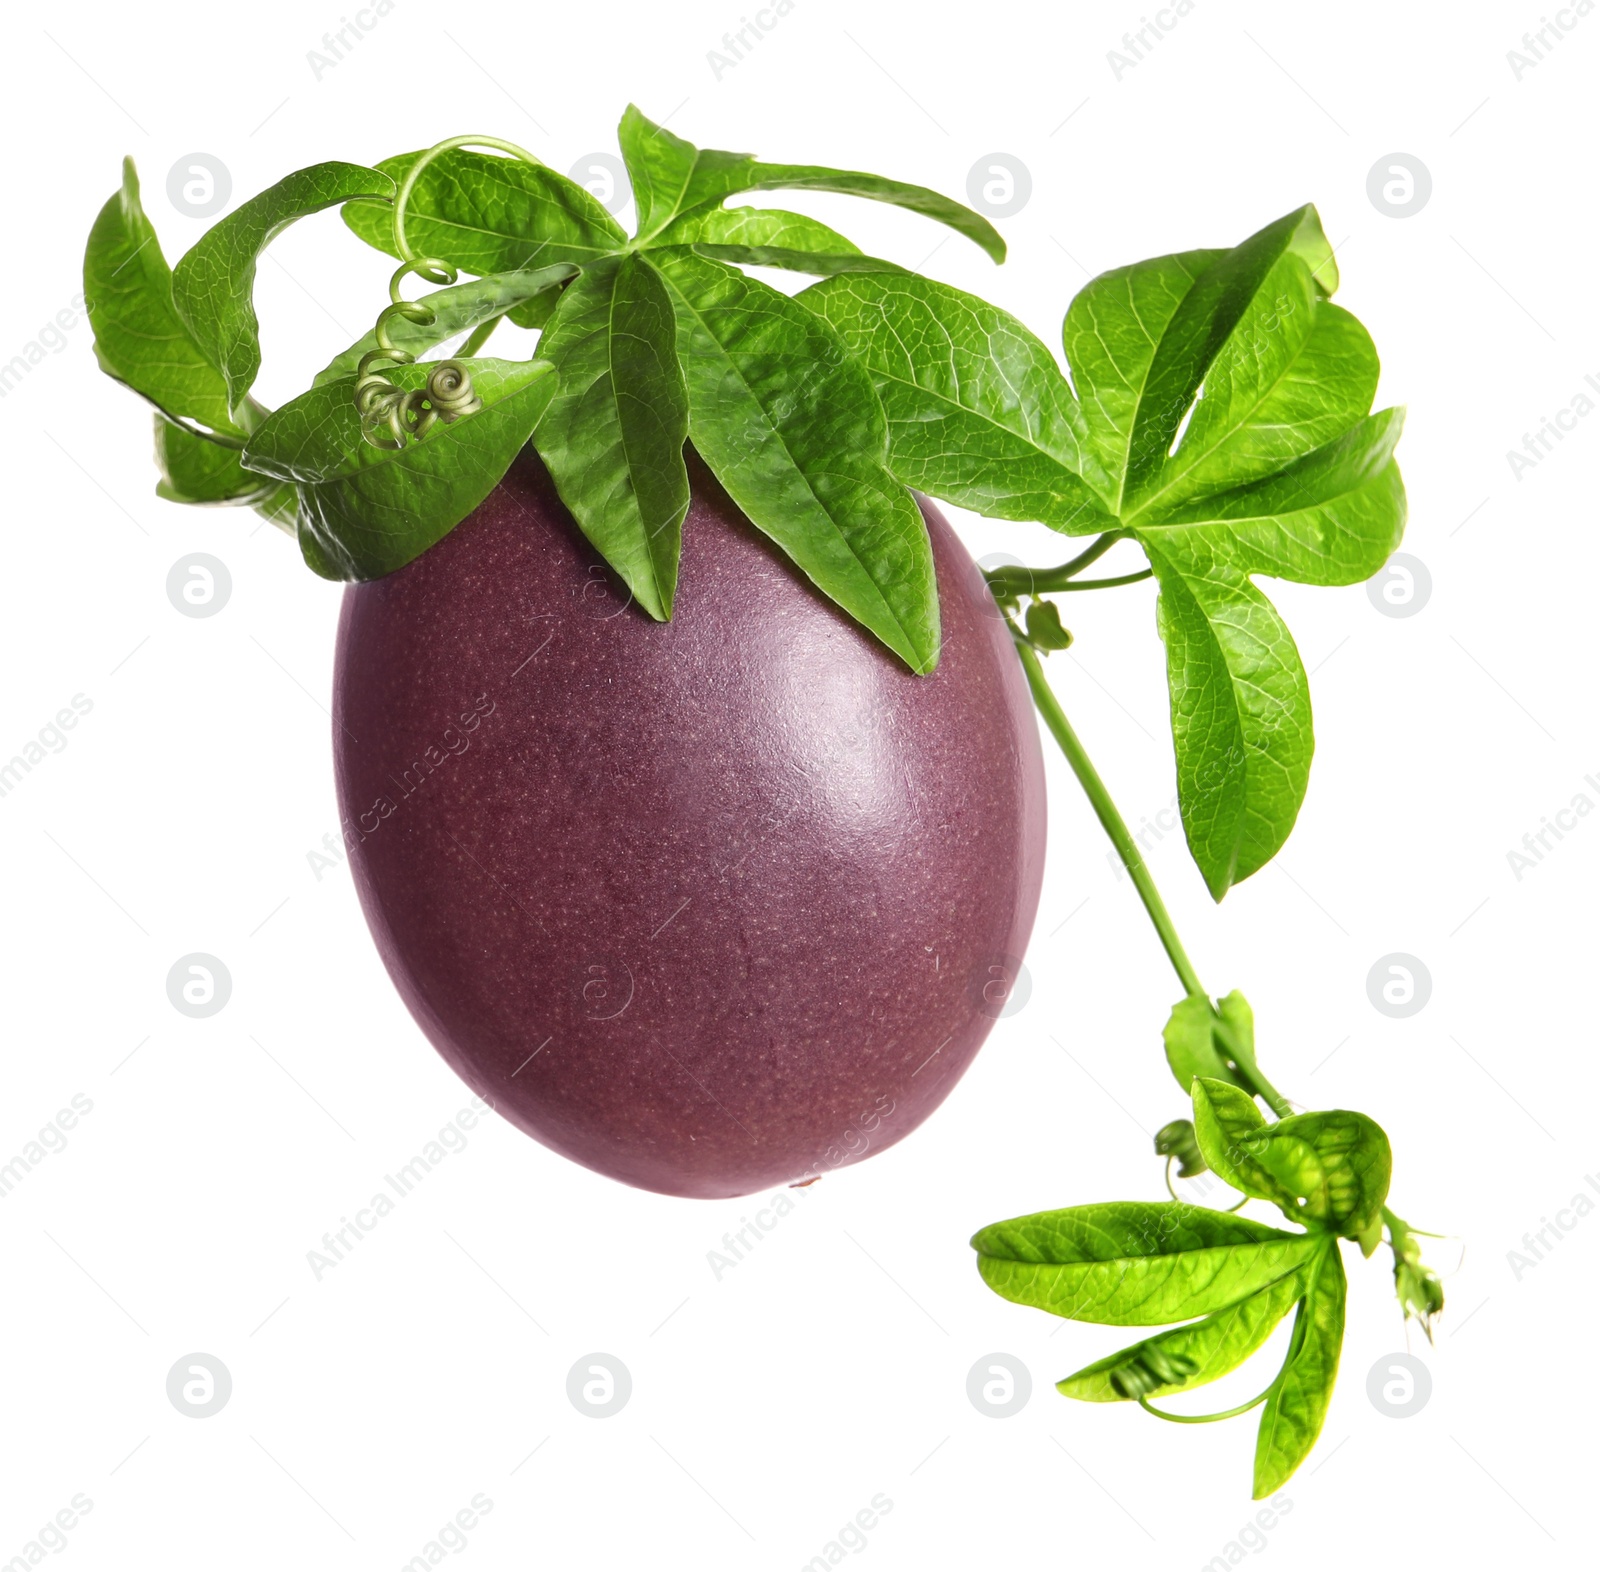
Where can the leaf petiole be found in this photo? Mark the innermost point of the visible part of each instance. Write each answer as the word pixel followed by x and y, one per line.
pixel 1013 581
pixel 1093 584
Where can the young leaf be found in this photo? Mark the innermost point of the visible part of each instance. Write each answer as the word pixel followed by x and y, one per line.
pixel 790 425
pixel 486 214
pixel 1190 1039
pixel 614 433
pixel 672 177
pixel 1043 624
pixel 979 413
pixel 138 335
pixel 1327 1170
pixel 365 511
pixel 1135 1263
pixel 1241 715
pixel 1188 1356
pixel 197 470
pixel 1224 1119
pixel 1292 1417
pixel 213 282
pixel 457 309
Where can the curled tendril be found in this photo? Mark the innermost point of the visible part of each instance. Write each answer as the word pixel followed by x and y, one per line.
pixel 391 416
pixel 1151 1368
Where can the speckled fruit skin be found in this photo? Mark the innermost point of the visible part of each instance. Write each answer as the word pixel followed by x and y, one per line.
pixel 709 906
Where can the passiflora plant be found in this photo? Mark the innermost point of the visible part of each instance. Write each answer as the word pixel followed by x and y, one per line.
pixel 1214 415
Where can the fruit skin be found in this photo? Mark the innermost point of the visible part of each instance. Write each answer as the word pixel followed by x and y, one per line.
pixel 709 906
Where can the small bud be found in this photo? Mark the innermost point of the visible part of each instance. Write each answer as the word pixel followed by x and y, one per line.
pixel 1178 1140
pixel 1420 1292
pixel 1044 627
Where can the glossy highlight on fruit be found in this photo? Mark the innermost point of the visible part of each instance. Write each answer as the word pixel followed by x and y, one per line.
pixel 709 905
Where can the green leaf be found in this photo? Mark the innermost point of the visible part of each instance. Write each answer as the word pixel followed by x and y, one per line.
pixel 1241 715
pixel 139 337
pixel 365 511
pixel 1331 517
pixel 486 215
pixel 458 309
pixel 1292 1417
pixel 672 177
pixel 197 470
pixel 979 413
pixel 213 282
pixel 1135 1263
pixel 1188 1356
pixel 661 169
pixel 1112 331
pixel 1336 1164
pixel 790 425
pixel 614 433
pixel 757 226
pixel 1278 470
pixel 1203 326
pixel 817 263
pixel 1225 1117
pixel 1190 1040
pixel 1328 1170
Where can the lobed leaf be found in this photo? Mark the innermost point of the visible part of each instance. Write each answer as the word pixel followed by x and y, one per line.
pixel 1292 1417
pixel 365 511
pixel 1204 322
pixel 1331 517
pixel 214 281
pixel 614 433
pixel 790 425
pixel 978 411
pixel 1135 1263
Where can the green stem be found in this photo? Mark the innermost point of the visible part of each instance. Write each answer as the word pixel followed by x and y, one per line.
pixel 1110 820
pixel 480 336
pixel 1133 860
pixel 1039 581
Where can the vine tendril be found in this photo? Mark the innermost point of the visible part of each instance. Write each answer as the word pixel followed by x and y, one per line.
pixel 392 416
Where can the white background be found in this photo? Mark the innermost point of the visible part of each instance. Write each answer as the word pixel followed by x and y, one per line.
pixel 831 1366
